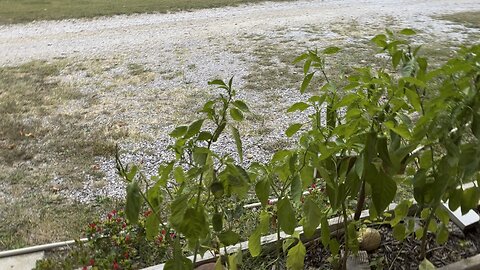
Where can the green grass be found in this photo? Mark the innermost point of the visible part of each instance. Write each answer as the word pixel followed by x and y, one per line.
pixel 469 19
pixel 40 141
pixel 19 11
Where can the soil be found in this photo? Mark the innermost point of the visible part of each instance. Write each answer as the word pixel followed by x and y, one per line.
pixel 394 254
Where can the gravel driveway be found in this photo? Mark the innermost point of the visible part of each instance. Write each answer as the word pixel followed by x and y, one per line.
pixel 144 36
pixel 178 53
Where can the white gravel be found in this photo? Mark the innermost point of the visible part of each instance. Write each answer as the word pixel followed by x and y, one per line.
pixel 213 43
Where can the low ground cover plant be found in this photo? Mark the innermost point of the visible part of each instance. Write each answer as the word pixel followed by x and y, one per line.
pixel 113 243
pixel 402 124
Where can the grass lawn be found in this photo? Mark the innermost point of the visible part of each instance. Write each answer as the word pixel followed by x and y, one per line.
pixel 469 19
pixel 20 11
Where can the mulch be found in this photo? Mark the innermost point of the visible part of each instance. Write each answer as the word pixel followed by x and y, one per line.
pixel 403 255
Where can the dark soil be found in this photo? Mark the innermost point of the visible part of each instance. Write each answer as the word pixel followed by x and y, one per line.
pixel 405 254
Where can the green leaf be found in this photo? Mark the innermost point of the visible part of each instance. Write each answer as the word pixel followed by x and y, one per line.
pixel 152 222
pixel 401 129
pixel 288 243
pixel 476 124
pixel 254 243
pixel 383 187
pixel 151 226
pixel 325 232
pixel 204 136
pixel 408 32
pixel 312 215
pixel 178 131
pixel 399 232
pixel 218 131
pixel 414 99
pixel 217 189
pixel 193 129
pixel 177 210
pixel 236 114
pixel 238 142
pixel 306 82
pixel 442 215
pixel 264 221
pixel 229 238
pixel 380 40
pixel 442 234
pixel 179 175
pixel 414 81
pixel 306 66
pixel 401 211
pixel 455 199
pixel 396 57
pixel 299 106
pixel 334 246
pixel 134 202
pixel 292 129
pixel 131 174
pixel 234 260
pixel 296 188
pixel 182 263
pixel 346 101
pixel 331 50
pixel 301 57
pixel 426 265
pixel 318 99
pixel 217 222
pixel 164 171
pixel 262 189
pixel 286 216
pixel 217 82
pixel 219 264
pixel 194 224
pixel 241 105
pixel 296 257
pixel 470 199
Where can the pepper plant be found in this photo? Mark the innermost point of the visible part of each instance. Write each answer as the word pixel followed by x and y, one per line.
pixel 446 104
pixel 196 185
pixel 361 137
pixel 364 135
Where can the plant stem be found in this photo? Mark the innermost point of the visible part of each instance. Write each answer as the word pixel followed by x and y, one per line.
pixel 423 247
pixel 279 246
pixel 360 202
pixel 344 258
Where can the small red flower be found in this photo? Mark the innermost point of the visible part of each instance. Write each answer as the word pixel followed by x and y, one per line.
pixel 92 262
pixel 127 238
pixel 147 213
pixel 164 232
pixel 84 268
pixel 92 225
pixel 109 216
pixel 269 202
pixel 160 239
pixel 125 255
pixel 124 225
pixel 119 220
pixel 115 266
pixel 172 235
pixel 314 185
pixel 114 212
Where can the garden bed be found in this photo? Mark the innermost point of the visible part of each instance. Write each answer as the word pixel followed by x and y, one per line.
pixel 405 254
